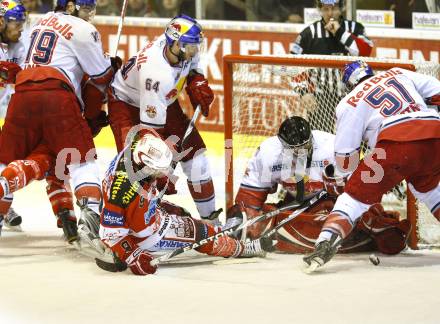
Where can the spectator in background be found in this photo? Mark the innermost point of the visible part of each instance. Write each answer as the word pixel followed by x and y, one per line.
pixel 172 8
pixel 139 8
pixel 36 6
pixel 108 7
pixel 277 10
pixel 403 11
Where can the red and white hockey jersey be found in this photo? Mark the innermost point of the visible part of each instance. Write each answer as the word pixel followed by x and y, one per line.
pixel 14 52
pixel 70 45
pixel 150 82
pixel 272 165
pixel 388 106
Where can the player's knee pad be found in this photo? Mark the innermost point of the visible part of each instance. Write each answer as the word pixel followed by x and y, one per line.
pixel 431 199
pixel 197 169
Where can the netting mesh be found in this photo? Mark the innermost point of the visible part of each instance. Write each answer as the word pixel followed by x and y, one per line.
pixel 265 94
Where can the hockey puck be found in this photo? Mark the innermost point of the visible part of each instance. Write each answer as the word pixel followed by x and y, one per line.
pixel 374 259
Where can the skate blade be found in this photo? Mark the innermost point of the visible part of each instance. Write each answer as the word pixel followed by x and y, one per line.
pixel 309 269
pixel 235 261
pixel 13 228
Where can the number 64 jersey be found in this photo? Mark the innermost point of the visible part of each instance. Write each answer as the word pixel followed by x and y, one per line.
pixel 388 106
pixel 70 45
pixel 148 81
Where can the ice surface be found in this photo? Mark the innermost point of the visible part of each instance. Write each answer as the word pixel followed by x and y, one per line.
pixel 46 281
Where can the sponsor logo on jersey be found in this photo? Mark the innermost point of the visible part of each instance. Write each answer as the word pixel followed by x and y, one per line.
pixel 167 244
pixel 164 226
pixel 117 183
pixel 319 164
pixel 63 29
pixel 279 167
pixel 128 196
pixel 112 219
pixel 150 212
pixel 151 111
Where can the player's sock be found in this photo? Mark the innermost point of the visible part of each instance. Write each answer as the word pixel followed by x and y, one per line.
pixel 203 196
pixel 60 197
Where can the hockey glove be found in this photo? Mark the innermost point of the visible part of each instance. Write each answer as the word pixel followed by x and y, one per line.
pixel 9 71
pixel 96 124
pixel 200 93
pixel 139 262
pixel 116 63
pixel 333 184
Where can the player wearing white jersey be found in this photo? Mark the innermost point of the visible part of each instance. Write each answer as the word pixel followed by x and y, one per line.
pixel 145 92
pixel 389 111
pixel 279 160
pixel 12 55
pixel 63 48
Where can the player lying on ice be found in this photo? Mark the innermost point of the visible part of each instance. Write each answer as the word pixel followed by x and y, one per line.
pixel 135 223
pixel 276 162
pixel 389 111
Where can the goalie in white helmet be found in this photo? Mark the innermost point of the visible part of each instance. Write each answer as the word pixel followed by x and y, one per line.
pixel 135 223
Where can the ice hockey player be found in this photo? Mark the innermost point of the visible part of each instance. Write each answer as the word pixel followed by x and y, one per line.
pixel 276 163
pixel 389 111
pixel 146 89
pixel 12 56
pixel 63 49
pixel 134 223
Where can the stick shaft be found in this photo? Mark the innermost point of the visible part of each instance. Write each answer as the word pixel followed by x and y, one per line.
pixel 228 232
pixel 121 23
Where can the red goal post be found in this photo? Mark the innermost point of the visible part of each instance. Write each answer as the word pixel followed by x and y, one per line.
pixel 260 91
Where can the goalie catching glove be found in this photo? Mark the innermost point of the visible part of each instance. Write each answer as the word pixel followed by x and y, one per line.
pixel 200 92
pixel 9 71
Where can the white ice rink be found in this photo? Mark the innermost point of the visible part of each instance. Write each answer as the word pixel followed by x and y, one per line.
pixel 46 281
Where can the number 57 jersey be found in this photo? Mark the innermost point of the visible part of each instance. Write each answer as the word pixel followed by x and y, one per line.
pixel 70 45
pixel 388 106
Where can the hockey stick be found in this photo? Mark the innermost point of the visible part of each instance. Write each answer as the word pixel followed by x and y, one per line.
pixel 188 131
pixel 232 230
pixel 310 203
pixel 121 23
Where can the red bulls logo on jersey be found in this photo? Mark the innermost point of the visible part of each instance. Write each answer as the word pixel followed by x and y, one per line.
pixel 64 30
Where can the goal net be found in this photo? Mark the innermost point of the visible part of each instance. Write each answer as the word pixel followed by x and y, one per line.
pixel 261 91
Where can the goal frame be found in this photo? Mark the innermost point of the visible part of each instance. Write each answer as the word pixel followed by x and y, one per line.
pixel 229 60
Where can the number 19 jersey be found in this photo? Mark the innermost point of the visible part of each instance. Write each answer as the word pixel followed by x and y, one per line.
pixel 70 45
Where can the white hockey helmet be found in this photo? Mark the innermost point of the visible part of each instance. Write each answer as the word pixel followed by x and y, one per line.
pixel 152 155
